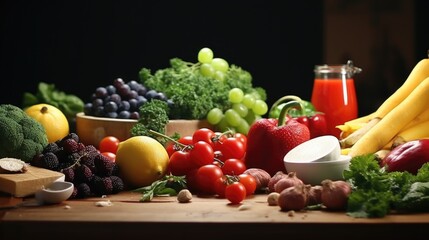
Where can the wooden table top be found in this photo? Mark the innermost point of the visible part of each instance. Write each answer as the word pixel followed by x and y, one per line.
pixel 203 217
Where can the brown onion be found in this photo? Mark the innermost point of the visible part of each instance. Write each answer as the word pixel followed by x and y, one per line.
pixel 293 198
pixel 274 179
pixel 289 180
pixel 314 194
pixel 335 194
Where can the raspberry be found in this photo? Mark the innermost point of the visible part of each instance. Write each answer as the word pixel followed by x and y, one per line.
pixel 117 183
pixel 104 165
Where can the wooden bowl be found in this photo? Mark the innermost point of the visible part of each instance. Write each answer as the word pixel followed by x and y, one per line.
pixel 92 129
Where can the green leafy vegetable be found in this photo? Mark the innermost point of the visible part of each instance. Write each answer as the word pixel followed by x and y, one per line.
pixel 69 104
pixel 376 192
pixel 169 185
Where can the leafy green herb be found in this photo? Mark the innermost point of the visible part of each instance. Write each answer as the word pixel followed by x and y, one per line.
pixel 377 192
pixel 169 185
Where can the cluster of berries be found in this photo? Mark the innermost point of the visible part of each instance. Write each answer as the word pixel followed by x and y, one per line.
pixel 92 173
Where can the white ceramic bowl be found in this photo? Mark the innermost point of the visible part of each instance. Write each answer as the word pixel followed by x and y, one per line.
pixel 92 129
pixel 56 192
pixel 315 172
pixel 323 148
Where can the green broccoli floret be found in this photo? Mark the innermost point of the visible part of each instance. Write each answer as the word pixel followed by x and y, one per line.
pixel 21 136
pixel 153 116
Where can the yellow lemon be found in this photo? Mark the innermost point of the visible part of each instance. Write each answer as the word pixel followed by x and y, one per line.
pixel 52 119
pixel 141 160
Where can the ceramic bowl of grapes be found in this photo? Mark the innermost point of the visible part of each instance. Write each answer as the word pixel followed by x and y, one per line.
pixel 113 110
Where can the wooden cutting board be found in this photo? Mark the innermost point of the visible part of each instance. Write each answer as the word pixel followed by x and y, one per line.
pixel 26 184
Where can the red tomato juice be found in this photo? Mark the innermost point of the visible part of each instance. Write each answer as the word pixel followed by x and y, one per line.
pixel 337 100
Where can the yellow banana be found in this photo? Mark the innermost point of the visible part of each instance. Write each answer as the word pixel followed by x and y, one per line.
pixel 417 131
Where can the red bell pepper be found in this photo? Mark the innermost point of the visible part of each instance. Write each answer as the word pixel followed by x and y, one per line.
pixel 269 139
pixel 304 113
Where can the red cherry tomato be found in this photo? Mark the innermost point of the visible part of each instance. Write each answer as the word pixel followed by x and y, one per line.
pixel 172 147
pixel 206 178
pixel 203 134
pixel 232 148
pixel 217 140
pixel 233 166
pixel 235 192
pixel 201 154
pixel 108 144
pixel 242 138
pixel 191 180
pixel 180 163
pixel 219 186
pixel 249 183
pixel 109 155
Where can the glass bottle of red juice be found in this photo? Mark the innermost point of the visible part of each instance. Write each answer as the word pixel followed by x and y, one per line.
pixel 334 94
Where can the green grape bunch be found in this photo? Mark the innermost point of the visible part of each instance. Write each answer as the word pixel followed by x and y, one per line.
pixel 243 107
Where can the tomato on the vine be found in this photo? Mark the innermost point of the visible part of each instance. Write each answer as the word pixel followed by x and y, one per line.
pixel 201 154
pixel 235 192
pixel 249 183
pixel 207 176
pixel 233 166
pixel 180 163
pixel 203 134
pixel 219 186
pixel 108 144
pixel 242 138
pixel 171 146
pixel 232 148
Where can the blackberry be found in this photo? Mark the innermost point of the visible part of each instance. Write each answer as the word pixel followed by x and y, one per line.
pixel 49 161
pixel 73 136
pixel 81 146
pixel 88 155
pixel 70 145
pixel 83 174
pixel 36 160
pixel 74 193
pixel 117 183
pixel 115 171
pixel 102 185
pixel 68 174
pixel 103 165
pixel 83 190
pixel 51 147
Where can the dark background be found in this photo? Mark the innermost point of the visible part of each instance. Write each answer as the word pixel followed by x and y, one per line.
pixel 79 46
